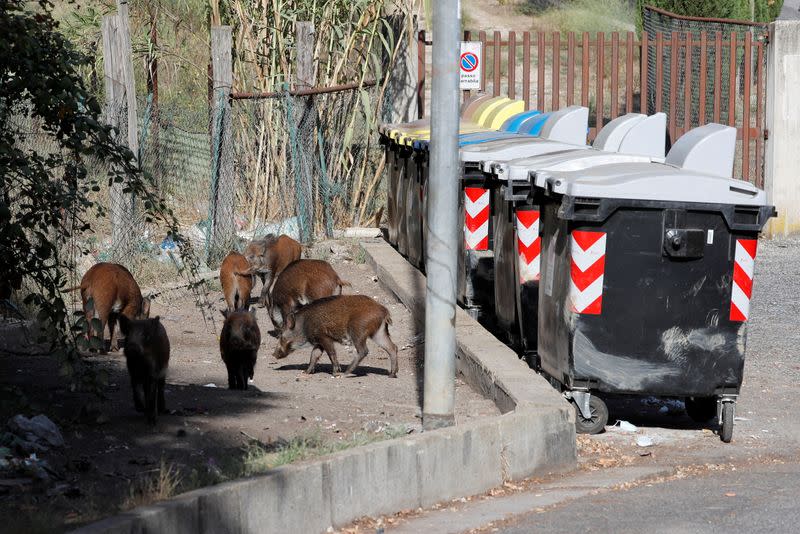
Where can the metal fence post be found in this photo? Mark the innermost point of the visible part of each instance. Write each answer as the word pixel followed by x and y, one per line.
pixel 223 196
pixel 442 238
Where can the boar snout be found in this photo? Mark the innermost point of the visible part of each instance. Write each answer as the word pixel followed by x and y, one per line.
pixel 283 349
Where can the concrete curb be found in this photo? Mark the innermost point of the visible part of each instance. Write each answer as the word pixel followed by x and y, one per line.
pixel 535 435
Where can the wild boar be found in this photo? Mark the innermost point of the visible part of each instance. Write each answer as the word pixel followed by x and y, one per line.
pixel 238 345
pixel 236 284
pixel 336 319
pixel 147 356
pixel 108 291
pixel 303 281
pixel 268 257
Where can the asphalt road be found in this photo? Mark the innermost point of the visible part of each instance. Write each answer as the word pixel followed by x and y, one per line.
pixel 761 498
pixel 695 482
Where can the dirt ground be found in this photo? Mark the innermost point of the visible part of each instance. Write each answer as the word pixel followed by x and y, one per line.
pixel 111 453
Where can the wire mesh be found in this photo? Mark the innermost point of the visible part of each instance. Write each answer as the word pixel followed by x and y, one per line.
pixel 715 66
pixel 305 165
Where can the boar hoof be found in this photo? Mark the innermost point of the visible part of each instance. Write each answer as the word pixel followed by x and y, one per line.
pixel 393 375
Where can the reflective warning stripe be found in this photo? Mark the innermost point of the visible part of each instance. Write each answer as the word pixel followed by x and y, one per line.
pixel 529 245
pixel 476 218
pixel 742 287
pixel 587 267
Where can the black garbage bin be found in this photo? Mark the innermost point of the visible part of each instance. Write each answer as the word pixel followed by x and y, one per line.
pixel 645 286
pixel 627 139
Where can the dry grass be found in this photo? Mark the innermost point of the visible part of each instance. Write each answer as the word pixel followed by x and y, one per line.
pixel 162 485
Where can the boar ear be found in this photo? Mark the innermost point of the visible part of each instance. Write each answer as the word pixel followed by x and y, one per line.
pixel 145 307
pixel 290 321
pixel 124 324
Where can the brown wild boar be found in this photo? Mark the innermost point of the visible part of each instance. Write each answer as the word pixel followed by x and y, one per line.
pixel 333 320
pixel 147 356
pixel 268 257
pixel 236 284
pixel 303 281
pixel 113 293
pixel 238 344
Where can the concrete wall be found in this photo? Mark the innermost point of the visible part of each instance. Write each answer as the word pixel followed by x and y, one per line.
pixel 782 156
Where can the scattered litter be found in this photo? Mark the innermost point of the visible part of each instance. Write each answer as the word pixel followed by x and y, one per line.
pixel 36 434
pixel 741 419
pixel 663 410
pixel 645 441
pixel 625 426
pixel 730 494
pixel 414 341
pixel 210 385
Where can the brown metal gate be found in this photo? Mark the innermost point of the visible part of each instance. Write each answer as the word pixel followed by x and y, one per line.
pixel 604 72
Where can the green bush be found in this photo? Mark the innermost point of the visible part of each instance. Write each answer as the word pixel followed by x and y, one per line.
pixel 765 10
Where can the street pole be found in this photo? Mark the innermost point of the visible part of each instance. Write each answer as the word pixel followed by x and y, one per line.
pixel 442 239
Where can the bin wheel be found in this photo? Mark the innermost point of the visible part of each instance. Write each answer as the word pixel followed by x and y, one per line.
pixel 701 409
pixel 597 422
pixel 726 431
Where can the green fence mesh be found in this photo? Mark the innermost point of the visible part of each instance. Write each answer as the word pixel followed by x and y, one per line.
pixel 717 69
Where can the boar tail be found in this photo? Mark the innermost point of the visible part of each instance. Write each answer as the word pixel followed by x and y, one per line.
pixel 342 283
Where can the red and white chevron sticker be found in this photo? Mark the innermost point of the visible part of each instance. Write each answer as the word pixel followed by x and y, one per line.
pixel 476 218
pixel 588 251
pixel 744 260
pixel 529 245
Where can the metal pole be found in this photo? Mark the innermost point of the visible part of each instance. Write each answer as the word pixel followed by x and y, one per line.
pixel 442 239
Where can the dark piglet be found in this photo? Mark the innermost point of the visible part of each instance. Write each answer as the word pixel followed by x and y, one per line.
pixel 238 344
pixel 334 320
pixel 147 356
pixel 302 282
pixel 108 292
pixel 268 257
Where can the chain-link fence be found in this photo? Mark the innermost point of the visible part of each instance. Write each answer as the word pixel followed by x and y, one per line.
pixel 304 165
pixel 713 43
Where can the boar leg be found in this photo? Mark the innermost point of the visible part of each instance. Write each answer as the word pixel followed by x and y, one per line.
pixel 316 352
pixel 162 405
pixel 361 353
pixel 112 323
pixel 242 372
pixel 231 376
pixel 329 347
pixel 266 282
pixel 150 394
pixel 138 395
pixel 382 339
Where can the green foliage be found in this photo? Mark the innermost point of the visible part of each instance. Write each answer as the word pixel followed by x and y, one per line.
pixel 765 10
pixel 46 195
pixel 590 16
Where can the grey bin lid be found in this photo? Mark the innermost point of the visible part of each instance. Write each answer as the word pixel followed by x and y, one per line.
pixel 634 133
pixel 708 149
pixel 565 129
pixel 572 160
pixel 640 137
pixel 652 181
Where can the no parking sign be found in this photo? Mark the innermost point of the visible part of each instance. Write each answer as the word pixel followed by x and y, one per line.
pixel 470 64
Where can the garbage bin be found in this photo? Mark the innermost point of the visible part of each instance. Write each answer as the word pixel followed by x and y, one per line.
pixel 397 154
pixel 488 115
pixel 629 138
pixel 646 283
pixel 410 242
pixel 563 130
